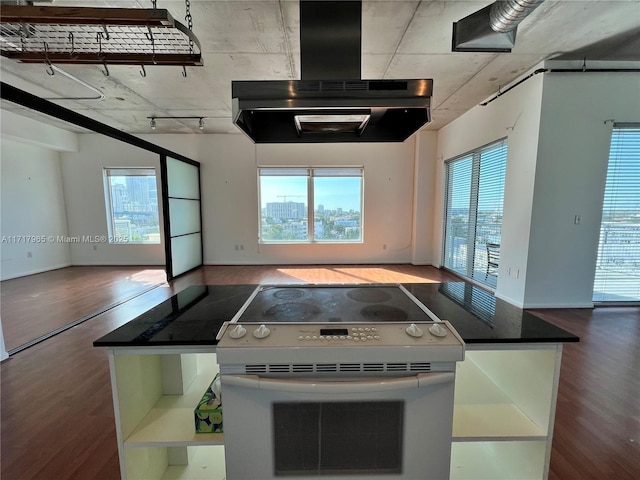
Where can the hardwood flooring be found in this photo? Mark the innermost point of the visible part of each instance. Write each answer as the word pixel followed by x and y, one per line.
pixel 57 418
pixel 597 428
pixel 36 305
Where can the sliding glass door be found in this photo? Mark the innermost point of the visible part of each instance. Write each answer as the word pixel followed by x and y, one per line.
pixel 617 276
pixel 182 215
pixel 474 194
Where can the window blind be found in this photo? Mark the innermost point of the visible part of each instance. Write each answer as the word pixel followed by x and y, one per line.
pixel 617 277
pixel 473 210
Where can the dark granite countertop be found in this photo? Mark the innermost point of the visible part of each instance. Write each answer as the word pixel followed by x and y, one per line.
pixel 480 317
pixel 191 317
pixel 194 316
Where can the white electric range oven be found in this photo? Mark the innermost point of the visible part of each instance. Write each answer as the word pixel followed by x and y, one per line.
pixel 338 400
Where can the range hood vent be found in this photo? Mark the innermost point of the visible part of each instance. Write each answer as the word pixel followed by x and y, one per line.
pixel 331 103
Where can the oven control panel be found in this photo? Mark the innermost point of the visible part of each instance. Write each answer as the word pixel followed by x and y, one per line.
pixel 322 334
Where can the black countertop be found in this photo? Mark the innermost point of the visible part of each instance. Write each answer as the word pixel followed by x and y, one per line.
pixel 194 316
pixel 480 317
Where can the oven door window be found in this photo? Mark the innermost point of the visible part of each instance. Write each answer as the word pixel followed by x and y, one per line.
pixel 332 438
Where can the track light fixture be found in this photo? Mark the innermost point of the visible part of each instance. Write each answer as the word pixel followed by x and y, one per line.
pixel 152 120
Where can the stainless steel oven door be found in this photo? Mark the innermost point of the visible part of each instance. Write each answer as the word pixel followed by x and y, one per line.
pixel 300 428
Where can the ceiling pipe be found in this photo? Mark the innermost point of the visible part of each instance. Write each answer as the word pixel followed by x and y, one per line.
pixel 505 15
pixel 559 70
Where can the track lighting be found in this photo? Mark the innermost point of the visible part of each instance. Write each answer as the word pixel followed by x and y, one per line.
pixel 153 120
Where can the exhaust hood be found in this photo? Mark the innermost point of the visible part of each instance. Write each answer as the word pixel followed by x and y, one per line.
pixel 330 103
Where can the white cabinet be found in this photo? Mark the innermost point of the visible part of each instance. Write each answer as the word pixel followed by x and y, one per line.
pixel 155 392
pixel 504 411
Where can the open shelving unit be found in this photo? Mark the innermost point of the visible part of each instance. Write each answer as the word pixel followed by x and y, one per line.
pixel 155 396
pixel 503 412
pixel 502 423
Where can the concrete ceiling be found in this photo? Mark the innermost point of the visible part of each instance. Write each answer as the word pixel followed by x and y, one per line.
pixel 259 40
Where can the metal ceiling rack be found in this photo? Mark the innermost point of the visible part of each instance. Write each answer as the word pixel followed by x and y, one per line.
pixel 88 35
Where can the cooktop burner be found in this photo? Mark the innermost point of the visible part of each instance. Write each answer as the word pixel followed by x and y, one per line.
pixel 383 313
pixel 292 311
pixel 289 294
pixel 329 303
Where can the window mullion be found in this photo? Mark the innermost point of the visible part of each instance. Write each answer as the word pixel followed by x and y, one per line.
pixel 473 213
pixel 310 204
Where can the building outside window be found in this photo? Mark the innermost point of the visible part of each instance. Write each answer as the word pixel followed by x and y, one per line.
pixel 131 196
pixel 304 205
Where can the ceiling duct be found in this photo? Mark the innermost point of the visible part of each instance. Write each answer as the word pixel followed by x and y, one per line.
pixel 506 15
pixel 492 28
pixel 331 103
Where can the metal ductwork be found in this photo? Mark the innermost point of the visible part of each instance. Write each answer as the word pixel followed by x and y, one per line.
pixel 492 28
pixel 505 15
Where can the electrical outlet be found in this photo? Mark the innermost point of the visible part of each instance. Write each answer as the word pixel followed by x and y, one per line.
pixel 95 248
pixel 29 255
pixel 237 248
pixel 577 219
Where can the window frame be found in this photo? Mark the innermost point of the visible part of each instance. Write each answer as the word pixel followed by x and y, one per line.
pixel 107 173
pixel 311 173
pixel 617 285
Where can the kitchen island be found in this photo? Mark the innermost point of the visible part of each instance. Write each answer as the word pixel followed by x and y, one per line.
pixel 162 362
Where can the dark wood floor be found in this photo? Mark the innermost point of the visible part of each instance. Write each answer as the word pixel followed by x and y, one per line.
pixel 57 418
pixel 36 305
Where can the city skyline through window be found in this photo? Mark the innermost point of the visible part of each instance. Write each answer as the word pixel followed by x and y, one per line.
pixel 335 195
pixel 131 196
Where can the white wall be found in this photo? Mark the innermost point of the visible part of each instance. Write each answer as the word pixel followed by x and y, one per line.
pixel 230 204
pixel 33 132
pixel 388 201
pixel 575 135
pixel 424 194
pixel 32 204
pixel 82 172
pixel 515 115
pixel 229 197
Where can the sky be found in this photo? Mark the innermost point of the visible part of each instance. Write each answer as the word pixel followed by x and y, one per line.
pixel 331 192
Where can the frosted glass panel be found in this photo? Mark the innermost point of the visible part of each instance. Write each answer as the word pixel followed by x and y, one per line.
pixel 184 216
pixel 183 179
pixel 186 253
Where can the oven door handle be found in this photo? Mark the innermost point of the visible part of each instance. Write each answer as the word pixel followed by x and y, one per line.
pixel 313 386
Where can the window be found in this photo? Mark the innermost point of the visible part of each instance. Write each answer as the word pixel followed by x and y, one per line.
pixel 617 276
pixel 132 205
pixel 303 205
pixel 474 193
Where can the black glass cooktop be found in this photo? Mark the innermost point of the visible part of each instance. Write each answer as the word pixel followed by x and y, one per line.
pixel 194 316
pixel 329 303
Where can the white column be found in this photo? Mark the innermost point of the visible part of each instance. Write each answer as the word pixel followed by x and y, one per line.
pixel 3 351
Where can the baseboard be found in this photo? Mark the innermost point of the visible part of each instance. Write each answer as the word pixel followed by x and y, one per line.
pixel 34 272
pixel 508 300
pixel 530 306
pixel 116 264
